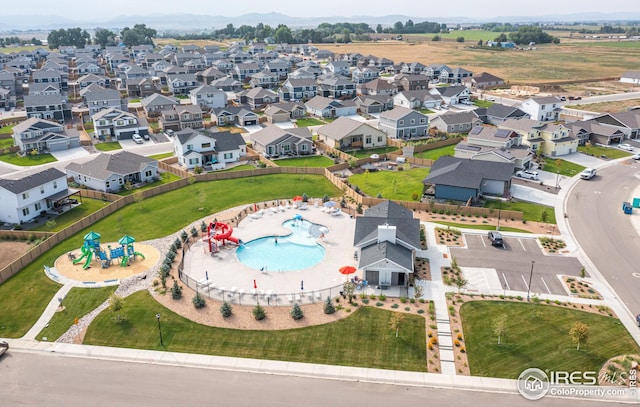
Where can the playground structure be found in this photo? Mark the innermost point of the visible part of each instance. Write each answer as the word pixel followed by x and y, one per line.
pixel 219 233
pixel 91 249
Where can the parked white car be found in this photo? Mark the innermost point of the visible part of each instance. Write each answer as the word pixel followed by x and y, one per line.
pixel 625 146
pixel 137 139
pixel 528 174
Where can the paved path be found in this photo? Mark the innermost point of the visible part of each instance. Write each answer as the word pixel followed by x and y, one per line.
pixel 48 312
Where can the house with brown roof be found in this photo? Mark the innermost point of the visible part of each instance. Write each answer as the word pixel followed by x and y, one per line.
pixel 273 141
pixel 482 80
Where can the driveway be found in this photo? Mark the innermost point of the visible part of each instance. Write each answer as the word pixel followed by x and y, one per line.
pixel 512 264
pixel 71 154
pixel 583 159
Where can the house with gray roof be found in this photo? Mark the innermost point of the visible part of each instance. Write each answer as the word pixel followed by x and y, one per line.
pixel 232 115
pixel 115 124
pixel 321 106
pixel 452 95
pixel 111 172
pixel 546 108
pixel 556 139
pixel 404 124
pixel 49 107
pixel 417 99
pixel 627 122
pixel 227 84
pixel 156 103
pixel 369 104
pixel 44 136
pixel 29 194
pixel 209 150
pixel 493 144
pixel 182 117
pixel 298 89
pixel 42 89
pixel 456 122
pixel 497 113
pixel 208 96
pixel 461 179
pixel 284 111
pixel 482 80
pixel 273 141
pixel 386 239
pixel 98 98
pixel 336 86
pixel 348 134
pixel 181 84
pixel 630 77
pixel 257 98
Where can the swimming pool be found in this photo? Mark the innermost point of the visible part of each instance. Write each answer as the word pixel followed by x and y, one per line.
pixel 296 251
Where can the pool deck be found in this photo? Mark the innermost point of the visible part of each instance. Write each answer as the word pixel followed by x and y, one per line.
pixel 228 274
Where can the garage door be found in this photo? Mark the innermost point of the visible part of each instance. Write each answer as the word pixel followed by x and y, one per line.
pixel 373 277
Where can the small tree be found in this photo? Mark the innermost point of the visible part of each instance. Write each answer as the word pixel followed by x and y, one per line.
pixel 325 198
pixel 203 227
pixel 544 216
pixel 117 307
pixel 418 290
pixel 198 301
pixel 184 236
pixel 348 289
pixel 296 312
pixel 583 272
pixel 460 39
pixel 359 208
pixel 51 223
pixel 258 313
pixel 460 282
pixel 499 325
pixel 305 197
pixel 579 333
pixel 328 307
pixel 226 309
pixel 178 243
pixel 395 321
pixel 176 290
pixel 194 232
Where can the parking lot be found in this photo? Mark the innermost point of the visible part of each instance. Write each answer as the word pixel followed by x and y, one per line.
pixel 512 263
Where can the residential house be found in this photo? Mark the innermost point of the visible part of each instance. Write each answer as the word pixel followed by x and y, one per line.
pixel 364 74
pixel 273 141
pixel 321 106
pixel 413 68
pixel 493 144
pixel 223 65
pixel 308 72
pixel 112 172
pixel 352 58
pixel 89 68
pixel 194 65
pixel 349 134
pixel 8 81
pixel 406 82
pixel 497 113
pixel 182 117
pixel 627 122
pixel 452 95
pixel 369 104
pixel 232 115
pixel 208 150
pixel 433 71
pixel 257 48
pixel 553 139
pixel 98 98
pixel 461 179
pixel 49 107
pixel 594 132
pixel 482 81
pixel 404 124
pixel 156 103
pixel 277 67
pixel 6 101
pixel 25 196
pixel 323 54
pixel 209 75
pixel 227 84
pixel 456 122
pixel 141 88
pixel 40 89
pixel 50 76
pixel 417 99
pixel 543 109
pixel 181 84
pixel 208 96
pixel 337 87
pixel 115 124
pixel 244 71
pixel 377 87
pixel 630 77
pixel 455 75
pixel 257 98
pixel 43 136
pixel 386 239
pixel 298 89
pixel 90 79
pixel 338 67
pixel 264 80
pixel 381 63
pixel 284 111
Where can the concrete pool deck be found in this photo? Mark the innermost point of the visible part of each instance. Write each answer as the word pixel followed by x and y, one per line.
pixel 228 276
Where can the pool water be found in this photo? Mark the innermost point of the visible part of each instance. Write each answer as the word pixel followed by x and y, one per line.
pixel 296 251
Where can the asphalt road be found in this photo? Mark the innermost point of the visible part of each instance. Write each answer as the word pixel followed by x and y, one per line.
pixel 28 379
pixel 513 263
pixel 604 232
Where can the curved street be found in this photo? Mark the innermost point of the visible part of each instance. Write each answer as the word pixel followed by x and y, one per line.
pixel 606 235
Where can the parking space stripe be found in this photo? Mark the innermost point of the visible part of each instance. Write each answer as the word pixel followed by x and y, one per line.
pixel 545 284
pixel 506 283
pixel 522 244
pixel 525 281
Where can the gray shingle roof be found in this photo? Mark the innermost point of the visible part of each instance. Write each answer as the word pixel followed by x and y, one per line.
pixel 386 251
pixel 105 165
pixel 340 127
pixel 24 182
pixel 460 172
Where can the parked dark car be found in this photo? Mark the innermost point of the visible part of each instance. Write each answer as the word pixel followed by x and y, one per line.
pixel 496 238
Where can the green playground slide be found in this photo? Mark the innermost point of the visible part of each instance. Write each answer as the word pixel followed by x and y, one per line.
pixel 87 263
pixel 85 251
pixel 125 261
pixel 139 254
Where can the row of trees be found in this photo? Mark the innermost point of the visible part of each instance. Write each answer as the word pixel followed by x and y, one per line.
pixel 9 41
pixel 138 35
pixel 528 34
pixel 410 27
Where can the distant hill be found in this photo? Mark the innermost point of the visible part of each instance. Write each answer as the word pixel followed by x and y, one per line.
pixel 194 22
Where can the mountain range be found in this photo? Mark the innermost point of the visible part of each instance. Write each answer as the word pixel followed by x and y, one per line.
pixel 198 22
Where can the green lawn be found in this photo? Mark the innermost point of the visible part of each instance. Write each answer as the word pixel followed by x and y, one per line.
pixel 161 156
pixel 426 111
pixel 309 121
pixel 28 160
pixel 482 103
pixel 562 167
pixel 367 153
pixel 6 142
pixel 241 167
pixel 479 226
pixel 314 161
pixel 77 303
pixel 363 339
pixel 24 296
pixel 165 178
pixel 598 151
pixel 538 336
pixel 135 100
pixel 108 146
pixel 530 211
pixel 391 184
pixel 6 130
pixel 436 153
pixel 70 217
pixel 470 36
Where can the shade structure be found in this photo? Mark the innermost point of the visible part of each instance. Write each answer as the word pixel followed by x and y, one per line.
pixel 126 239
pixel 297 217
pixel 329 204
pixel 347 270
pixel 92 236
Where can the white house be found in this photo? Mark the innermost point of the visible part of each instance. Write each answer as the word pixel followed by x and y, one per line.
pixel 346 133
pixel 26 195
pixel 43 135
pixel 630 77
pixel 208 96
pixel 208 150
pixel 543 109
pixel 321 106
pixel 118 124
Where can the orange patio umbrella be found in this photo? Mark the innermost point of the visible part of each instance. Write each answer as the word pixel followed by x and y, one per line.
pixel 347 270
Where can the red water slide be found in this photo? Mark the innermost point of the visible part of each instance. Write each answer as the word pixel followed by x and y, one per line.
pixel 224 232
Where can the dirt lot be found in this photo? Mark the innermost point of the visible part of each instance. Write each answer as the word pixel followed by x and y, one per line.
pixel 10 251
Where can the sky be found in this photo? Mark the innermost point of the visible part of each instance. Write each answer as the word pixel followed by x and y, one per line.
pixel 485 9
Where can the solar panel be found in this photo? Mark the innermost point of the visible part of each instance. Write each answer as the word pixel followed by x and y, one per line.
pixel 502 133
pixel 476 130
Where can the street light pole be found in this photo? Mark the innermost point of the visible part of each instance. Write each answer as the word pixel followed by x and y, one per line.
pixel 159 329
pixel 530 277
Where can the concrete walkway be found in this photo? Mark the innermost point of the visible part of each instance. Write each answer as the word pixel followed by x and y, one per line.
pixel 48 312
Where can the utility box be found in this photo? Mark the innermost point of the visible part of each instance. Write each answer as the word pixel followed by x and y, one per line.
pixel 636 202
pixel 627 208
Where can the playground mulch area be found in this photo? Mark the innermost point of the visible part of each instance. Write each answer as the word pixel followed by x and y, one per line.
pixel 96 273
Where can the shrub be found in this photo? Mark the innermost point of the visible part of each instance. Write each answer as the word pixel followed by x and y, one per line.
pixel 379 304
pixel 394 306
pixel 184 236
pixel 328 306
pixel 203 227
pixel 226 309
pixel 403 300
pixel 296 312
pixel 258 313
pixel 420 311
pixel 198 301
pixel 194 232
pixel 365 301
pixel 176 290
pixel 178 243
pixel 382 297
